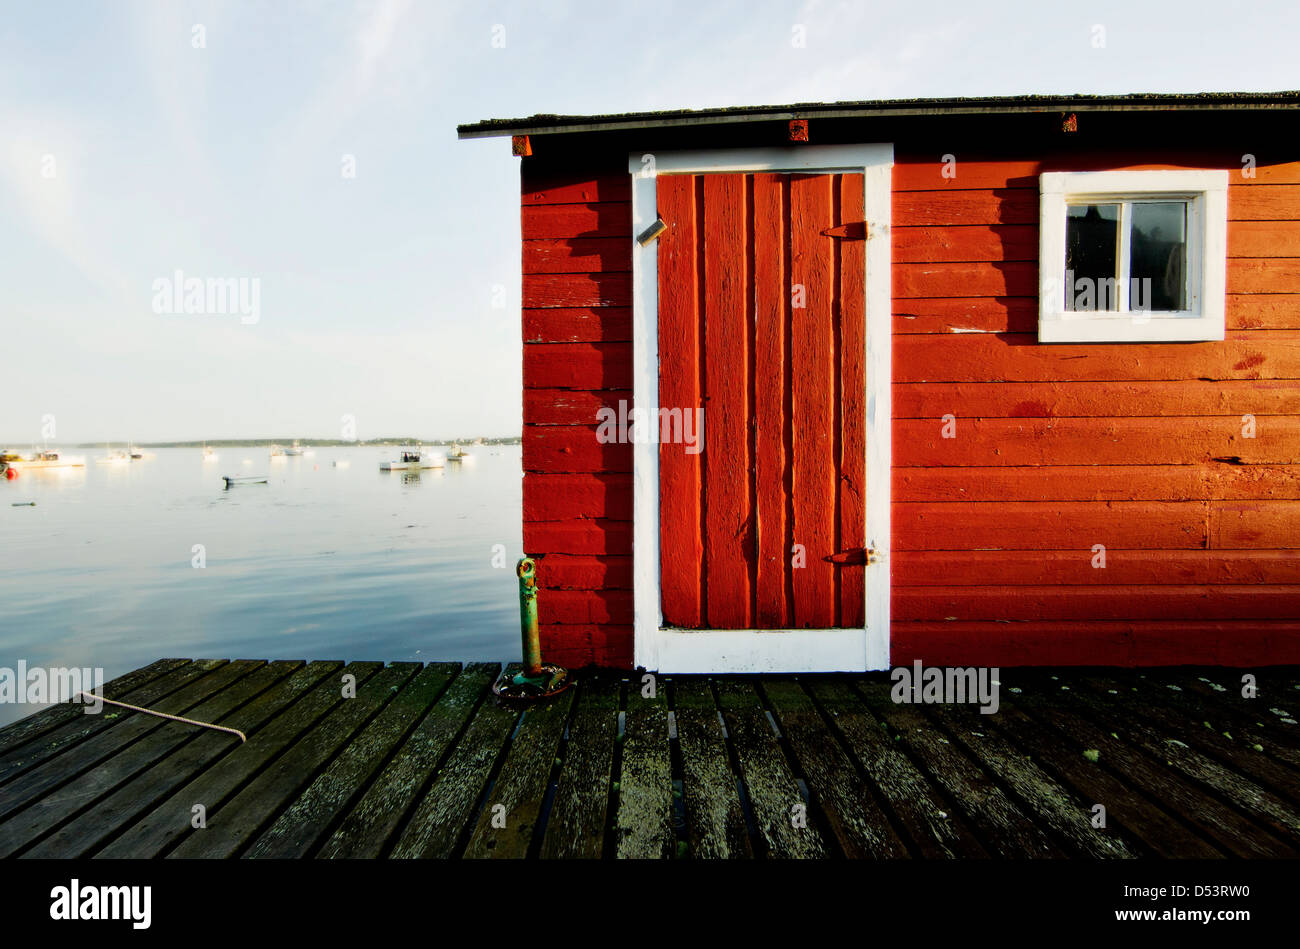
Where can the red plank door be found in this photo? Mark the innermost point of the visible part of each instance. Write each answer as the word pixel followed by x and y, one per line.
pixel 761 322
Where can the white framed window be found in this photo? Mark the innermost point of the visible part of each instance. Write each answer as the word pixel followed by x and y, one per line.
pixel 1132 256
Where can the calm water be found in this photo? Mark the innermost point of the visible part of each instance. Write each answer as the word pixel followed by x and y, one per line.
pixel 322 562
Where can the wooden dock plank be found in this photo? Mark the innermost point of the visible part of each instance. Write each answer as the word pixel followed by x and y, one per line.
pixel 46 720
pixel 1059 809
pixel 1214 819
pixel 1005 829
pixel 123 730
pixel 85 790
pixel 853 816
pixel 81 726
pixel 234 824
pixel 368 827
pixel 170 821
pixel 297 830
pixel 509 818
pixel 1201 700
pixel 580 812
pixel 1157 705
pixel 715 817
pixel 423 762
pixel 785 824
pixel 933 825
pixel 90 830
pixel 1279 817
pixel 644 819
pixel 440 820
pixel 1160 832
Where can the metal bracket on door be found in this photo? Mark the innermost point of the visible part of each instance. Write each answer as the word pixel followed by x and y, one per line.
pixel 854 556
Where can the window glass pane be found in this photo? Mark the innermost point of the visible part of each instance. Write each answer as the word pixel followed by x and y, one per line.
pixel 1091 251
pixel 1158 256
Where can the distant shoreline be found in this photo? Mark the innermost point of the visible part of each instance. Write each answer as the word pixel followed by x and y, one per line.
pixel 308 442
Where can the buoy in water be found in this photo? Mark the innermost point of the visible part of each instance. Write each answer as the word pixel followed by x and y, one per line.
pixel 11 473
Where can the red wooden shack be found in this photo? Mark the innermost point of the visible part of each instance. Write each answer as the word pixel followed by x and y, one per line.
pixel 998 381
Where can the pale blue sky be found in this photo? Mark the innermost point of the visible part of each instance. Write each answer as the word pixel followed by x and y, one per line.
pixel 377 291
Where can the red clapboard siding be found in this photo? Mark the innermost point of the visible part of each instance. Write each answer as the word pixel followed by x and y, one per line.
pixel 948 208
pixel 1095 399
pixel 577 290
pixel 1139 643
pixel 921 172
pixel 572 448
pixel 1264 203
pixel 1021 358
pixel 586 606
pixel 1115 602
pixel 545 183
pixel 575 646
pixel 608 324
pixel 1177 440
pixel 601 219
pixel 930 245
pixel 1019 278
pixel 1020 206
pixel 1020 314
pixel 596 537
pixel 1216 481
pixel 559 497
pixel 571 406
pixel 578 366
pixel 1050 525
pixel 577 572
pixel 994 279
pixel 1019 568
pixel 578 255
pixel 1270 275
pixel 1255 524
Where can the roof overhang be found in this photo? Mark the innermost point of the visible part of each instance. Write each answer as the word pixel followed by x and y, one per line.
pixel 896 108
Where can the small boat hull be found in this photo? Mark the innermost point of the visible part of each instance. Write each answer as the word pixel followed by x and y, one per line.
pixel 235 480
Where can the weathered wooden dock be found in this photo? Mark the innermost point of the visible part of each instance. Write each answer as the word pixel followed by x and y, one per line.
pixel 424 762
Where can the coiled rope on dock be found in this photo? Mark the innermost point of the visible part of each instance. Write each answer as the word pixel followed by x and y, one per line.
pixel 174 718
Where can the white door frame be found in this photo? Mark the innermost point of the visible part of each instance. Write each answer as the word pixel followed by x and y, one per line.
pixel 746 650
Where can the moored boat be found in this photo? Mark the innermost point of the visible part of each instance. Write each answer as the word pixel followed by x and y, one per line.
pixel 413 457
pixel 45 458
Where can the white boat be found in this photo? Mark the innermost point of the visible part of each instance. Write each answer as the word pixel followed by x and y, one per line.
pixel 232 480
pixel 277 451
pixel 294 449
pixel 209 454
pixel 457 453
pixel 47 458
pixel 413 457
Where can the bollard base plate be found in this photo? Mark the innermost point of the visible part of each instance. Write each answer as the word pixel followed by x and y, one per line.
pixel 520 687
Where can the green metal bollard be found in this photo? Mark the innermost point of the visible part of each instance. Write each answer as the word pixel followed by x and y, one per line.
pixel 527 571
pixel 537 680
